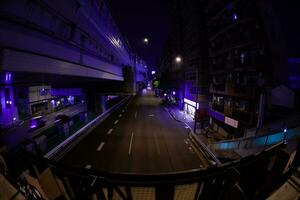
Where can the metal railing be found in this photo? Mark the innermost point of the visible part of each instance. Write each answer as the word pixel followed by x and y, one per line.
pixel 226 181
pixel 257 141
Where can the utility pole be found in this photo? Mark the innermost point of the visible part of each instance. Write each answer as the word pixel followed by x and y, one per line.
pixel 197 92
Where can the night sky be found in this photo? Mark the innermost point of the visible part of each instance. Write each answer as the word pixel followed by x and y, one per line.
pixel 289 15
pixel 137 19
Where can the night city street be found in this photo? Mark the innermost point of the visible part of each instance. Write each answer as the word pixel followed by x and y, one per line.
pixel 140 137
pixel 149 100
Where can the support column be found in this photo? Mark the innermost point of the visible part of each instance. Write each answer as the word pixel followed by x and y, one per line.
pixel 96 103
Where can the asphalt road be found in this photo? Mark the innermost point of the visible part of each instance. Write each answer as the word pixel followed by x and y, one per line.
pixel 140 137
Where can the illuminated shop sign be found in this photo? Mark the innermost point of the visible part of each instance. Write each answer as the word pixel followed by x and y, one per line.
pixel 231 122
pixel 192 103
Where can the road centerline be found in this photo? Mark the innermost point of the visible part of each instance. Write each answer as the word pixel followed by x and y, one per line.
pixel 135 115
pixel 116 121
pixel 109 131
pixel 88 166
pixel 100 146
pixel 130 144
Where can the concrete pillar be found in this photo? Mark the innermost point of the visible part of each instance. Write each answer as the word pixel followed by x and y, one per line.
pixel 96 103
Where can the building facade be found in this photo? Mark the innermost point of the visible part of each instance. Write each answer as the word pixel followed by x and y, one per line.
pixel 233 57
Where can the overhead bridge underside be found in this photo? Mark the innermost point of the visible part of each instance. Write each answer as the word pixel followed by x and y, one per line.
pixel 20 61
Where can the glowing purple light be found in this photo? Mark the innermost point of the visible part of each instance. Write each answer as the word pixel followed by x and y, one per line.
pixel 33 126
pixel 174 93
pixel 285 130
pixel 235 17
pixel 153 72
pixel 165 94
pixel 8 77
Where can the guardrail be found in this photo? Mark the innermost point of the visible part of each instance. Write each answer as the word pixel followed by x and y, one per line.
pixel 227 181
pixel 256 141
pixel 210 156
pixel 83 131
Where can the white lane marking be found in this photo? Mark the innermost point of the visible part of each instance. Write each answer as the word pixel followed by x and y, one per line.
pixel 88 166
pixel 130 144
pixel 191 149
pixel 135 114
pixel 100 146
pixel 116 121
pixel 123 111
pixel 120 115
pixel 151 115
pixel 109 131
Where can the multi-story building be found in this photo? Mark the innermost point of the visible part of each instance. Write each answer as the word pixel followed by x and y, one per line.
pixel 233 58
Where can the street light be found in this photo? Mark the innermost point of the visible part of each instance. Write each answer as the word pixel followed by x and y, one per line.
pixel 146 40
pixel 178 59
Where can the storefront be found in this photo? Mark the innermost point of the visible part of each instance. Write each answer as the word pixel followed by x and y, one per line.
pixel 190 107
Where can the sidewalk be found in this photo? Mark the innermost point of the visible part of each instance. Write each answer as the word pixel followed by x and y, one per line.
pixel 181 116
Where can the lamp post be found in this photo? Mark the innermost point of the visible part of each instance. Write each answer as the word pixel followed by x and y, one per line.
pixel 178 59
pixel 197 107
pixel 146 41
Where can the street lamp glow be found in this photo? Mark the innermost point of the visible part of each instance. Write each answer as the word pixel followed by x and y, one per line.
pixel 178 59
pixel 153 72
pixel 146 40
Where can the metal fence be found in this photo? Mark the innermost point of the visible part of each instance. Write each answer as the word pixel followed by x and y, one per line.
pixel 257 141
pixel 46 179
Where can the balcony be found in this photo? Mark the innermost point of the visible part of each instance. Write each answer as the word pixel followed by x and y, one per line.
pixel 218 107
pixel 242 115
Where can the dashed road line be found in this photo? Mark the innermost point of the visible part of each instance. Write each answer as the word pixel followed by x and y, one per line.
pixel 109 131
pixel 120 115
pixel 135 115
pixel 100 146
pixel 130 144
pixel 116 121
pixel 88 166
pixel 191 150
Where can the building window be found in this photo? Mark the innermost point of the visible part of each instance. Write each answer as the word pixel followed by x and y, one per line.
pixel 242 57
